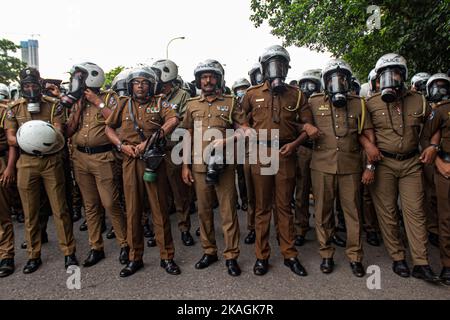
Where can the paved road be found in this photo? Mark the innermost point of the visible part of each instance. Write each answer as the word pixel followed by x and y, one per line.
pixel 103 282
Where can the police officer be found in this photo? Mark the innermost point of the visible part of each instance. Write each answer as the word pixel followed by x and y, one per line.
pixel 213 110
pixel 397 115
pixel 277 107
pixel 167 72
pixel 139 117
pixel 419 82
pixel 438 91
pixel 31 168
pixel 309 83
pixel 93 158
pixel 8 157
pixel 336 162
pixel 256 74
pixel 245 182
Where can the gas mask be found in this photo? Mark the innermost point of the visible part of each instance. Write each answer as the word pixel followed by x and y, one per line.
pixel 391 85
pixel 337 87
pixel 309 87
pixel 153 156
pixel 32 92
pixel 276 71
pixel 439 91
pixel 76 88
pixel 256 78
pixel 240 93
pixel 215 166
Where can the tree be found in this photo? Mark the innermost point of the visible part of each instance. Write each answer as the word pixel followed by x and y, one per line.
pixel 9 65
pixel 110 75
pixel 418 30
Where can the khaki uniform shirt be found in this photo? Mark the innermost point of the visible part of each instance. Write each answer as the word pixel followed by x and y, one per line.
pixel 337 151
pixel 439 119
pixel 3 140
pixel 397 125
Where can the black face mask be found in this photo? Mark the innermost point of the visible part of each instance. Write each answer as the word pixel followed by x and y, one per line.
pixel 275 70
pixel 76 88
pixel 439 92
pixel 337 86
pixel 309 88
pixel 33 95
pixel 391 85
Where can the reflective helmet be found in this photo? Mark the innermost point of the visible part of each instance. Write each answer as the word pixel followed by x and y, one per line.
pixel 39 137
pixel 372 80
pixel 356 85
pixel 365 90
pixel 274 51
pixel 14 91
pixel 392 60
pixel 310 81
pixel 166 70
pixel 4 92
pixel 27 76
pixel 335 66
pixel 93 75
pixel 212 66
pixel 119 84
pixel 241 82
pixel 145 73
pixel 419 81
pixel 256 74
pixel 275 62
pixel 437 93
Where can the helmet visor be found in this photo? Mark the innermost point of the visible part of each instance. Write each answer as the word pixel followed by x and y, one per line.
pixel 337 82
pixel 391 78
pixel 276 68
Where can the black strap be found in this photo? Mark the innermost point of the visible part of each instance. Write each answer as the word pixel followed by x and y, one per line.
pixel 2 153
pixel 94 150
pixel 133 118
pixel 398 156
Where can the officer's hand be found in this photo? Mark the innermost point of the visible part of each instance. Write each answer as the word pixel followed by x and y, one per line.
pixel 443 167
pixel 139 149
pixel 287 150
pixel 129 150
pixel 8 177
pixel 368 177
pixel 428 155
pixel 186 175
pixel 312 131
pixel 92 97
pixel 373 153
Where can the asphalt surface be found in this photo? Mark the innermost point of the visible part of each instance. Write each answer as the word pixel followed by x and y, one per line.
pixel 102 281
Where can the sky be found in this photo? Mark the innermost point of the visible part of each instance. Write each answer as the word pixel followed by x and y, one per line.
pixel 113 33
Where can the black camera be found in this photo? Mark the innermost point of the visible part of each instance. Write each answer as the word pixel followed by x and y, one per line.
pixel 214 168
pixel 153 155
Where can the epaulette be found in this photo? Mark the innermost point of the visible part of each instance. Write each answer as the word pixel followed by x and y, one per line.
pixel 50 99
pixel 255 86
pixel 107 91
pixel 194 98
pixel 374 95
pixel 292 87
pixel 17 102
pixel 229 96
pixel 441 103
pixel 317 94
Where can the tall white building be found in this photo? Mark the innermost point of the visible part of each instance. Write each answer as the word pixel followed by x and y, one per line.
pixel 30 53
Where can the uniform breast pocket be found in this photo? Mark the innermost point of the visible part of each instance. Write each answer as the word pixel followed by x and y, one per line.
pixel 414 119
pixel 352 121
pixel 153 121
pixel 289 113
pixel 199 117
pixel 379 118
pixel 21 120
pixel 260 112
pixel 322 118
pixel 222 120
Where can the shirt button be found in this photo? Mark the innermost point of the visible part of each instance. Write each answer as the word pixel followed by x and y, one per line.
pixel 337 149
pixel 337 126
pixel 337 116
pixel 337 138
pixel 87 126
pixel 209 104
pixel 85 135
pixel 401 126
pixel 209 115
pixel 140 118
pixel 209 127
pixel 87 113
pixel 323 114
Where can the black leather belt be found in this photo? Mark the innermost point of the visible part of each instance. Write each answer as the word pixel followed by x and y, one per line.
pixel 400 157
pixel 308 144
pixel 2 153
pixel 269 143
pixel 38 155
pixel 94 150
pixel 444 156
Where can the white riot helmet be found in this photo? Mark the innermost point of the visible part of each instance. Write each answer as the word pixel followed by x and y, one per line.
pixel 119 84
pixel 365 90
pixel 166 70
pixel 14 91
pixel 372 80
pixel 337 81
pixel 94 76
pixel 146 73
pixel 4 92
pixel 392 72
pixel 211 66
pixel 275 65
pixel 310 82
pixel 419 82
pixel 438 87
pixel 241 82
pixel 256 74
pixel 38 137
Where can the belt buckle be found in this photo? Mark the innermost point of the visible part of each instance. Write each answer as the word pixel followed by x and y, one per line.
pixel 88 150
pixel 398 157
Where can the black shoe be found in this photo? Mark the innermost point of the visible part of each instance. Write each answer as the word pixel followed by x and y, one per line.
pixel 327 265
pixel 44 237
pixel 71 260
pixel 357 269
pixel 433 238
pixel 148 232
pixel 373 239
pixel 103 228
pixel 20 217
pixel 111 234
pixel 261 267
pixel 299 240
pixel 192 208
pixel 131 268
pixel 151 242
pixel 187 239
pixel 238 206
pixel 197 232
pixel 338 241
pixel 123 256
pixel 24 245
pixel 32 265
pixel 170 266
pixel 244 206
pixel 206 261
pixel 6 267
pixel 215 205
pixel 341 226
pixel 83 226
pixel 295 266
pixel 251 237
pixel 401 268
pixel 233 267
pixel 425 273
pixel 76 214
pixel 94 257
pixel 445 276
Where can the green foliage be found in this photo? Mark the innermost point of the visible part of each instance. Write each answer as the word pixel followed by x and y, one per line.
pixel 9 66
pixel 418 30
pixel 110 75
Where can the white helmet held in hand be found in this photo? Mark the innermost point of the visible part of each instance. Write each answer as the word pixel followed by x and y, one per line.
pixel 95 76
pixel 39 138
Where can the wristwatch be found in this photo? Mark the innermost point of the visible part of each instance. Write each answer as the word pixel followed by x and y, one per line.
pixel 370 167
pixel 436 146
pixel 101 106
pixel 119 146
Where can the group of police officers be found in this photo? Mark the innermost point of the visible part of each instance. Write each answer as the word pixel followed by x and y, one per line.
pixel 365 152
